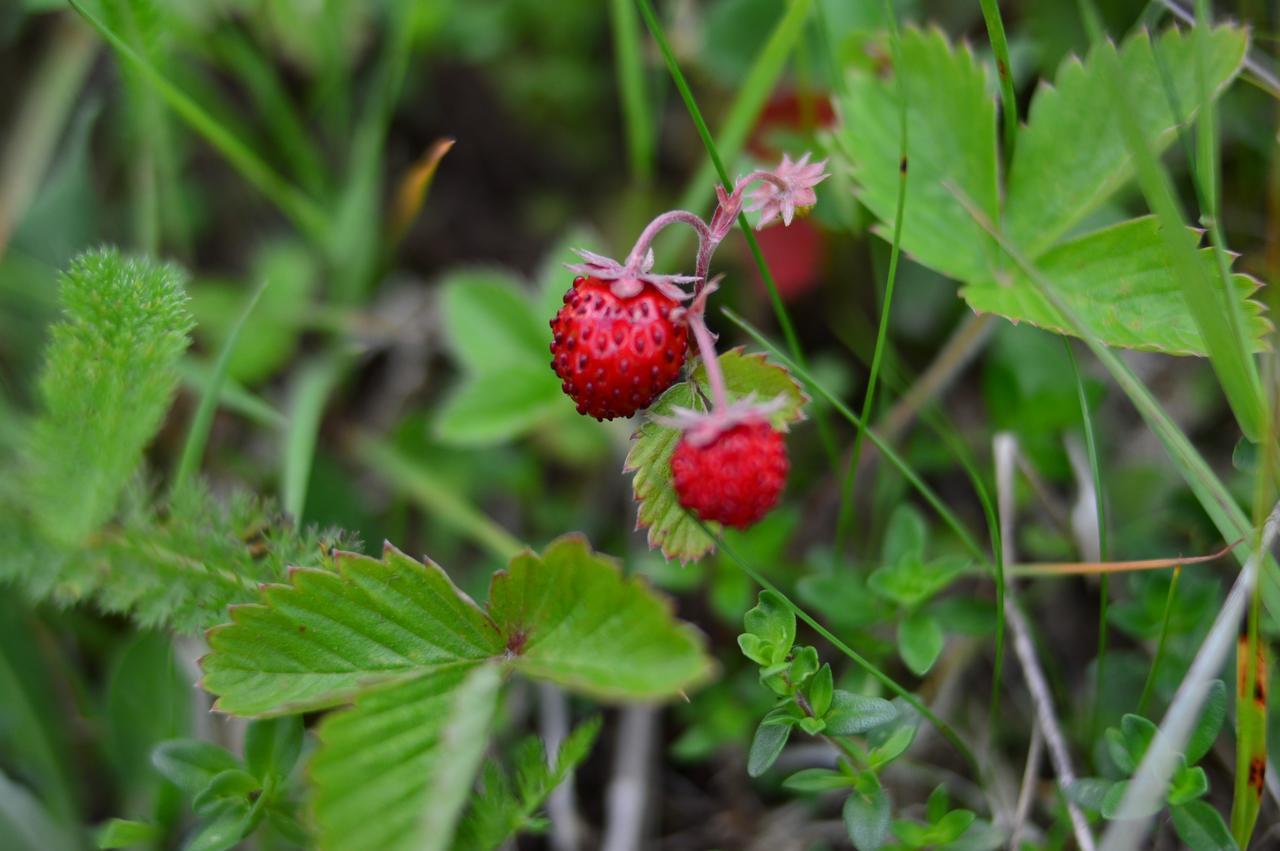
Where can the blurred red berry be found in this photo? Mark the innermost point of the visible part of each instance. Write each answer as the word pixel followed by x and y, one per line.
pixel 616 354
pixel 735 478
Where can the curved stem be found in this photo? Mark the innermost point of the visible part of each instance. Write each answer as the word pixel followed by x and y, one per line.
pixel 655 227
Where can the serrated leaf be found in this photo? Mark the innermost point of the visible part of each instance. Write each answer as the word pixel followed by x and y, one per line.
pixel 568 616
pixel 490 321
pixel 920 641
pixel 1118 280
pixel 109 376
pixel 671 528
pixel 571 617
pixel 494 407
pixel 1071 156
pixel 866 819
pixel 317 641
pixel 406 752
pixel 1201 827
pixel 951 123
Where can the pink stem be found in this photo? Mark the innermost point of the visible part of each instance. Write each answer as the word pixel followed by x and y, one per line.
pixel 707 348
pixel 636 257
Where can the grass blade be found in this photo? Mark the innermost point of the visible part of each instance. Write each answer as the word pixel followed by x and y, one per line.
pixel 301 209
pixel 636 113
pixel 314 384
pixel 1008 99
pixel 198 432
pixel 416 482
pixel 847 502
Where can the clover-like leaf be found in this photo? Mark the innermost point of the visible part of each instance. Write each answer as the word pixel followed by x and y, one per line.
pixel 671 528
pixel 1117 279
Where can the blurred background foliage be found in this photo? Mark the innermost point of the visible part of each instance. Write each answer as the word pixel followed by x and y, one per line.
pixel 429 330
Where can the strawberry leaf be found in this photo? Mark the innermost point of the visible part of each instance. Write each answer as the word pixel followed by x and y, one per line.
pixel 1118 280
pixel 568 616
pixel 671 528
pixel 571 617
pixel 408 752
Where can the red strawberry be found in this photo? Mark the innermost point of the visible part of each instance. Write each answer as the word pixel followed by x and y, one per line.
pixel 736 478
pixel 616 354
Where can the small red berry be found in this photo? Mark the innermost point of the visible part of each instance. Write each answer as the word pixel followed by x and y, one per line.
pixel 616 355
pixel 736 478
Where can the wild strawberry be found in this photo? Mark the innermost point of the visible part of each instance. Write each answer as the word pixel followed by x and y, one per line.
pixel 616 354
pixel 733 478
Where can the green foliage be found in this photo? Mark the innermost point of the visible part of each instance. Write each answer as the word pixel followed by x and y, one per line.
pixel 672 529
pixel 498 811
pixel 406 751
pixel 1196 822
pixel 107 383
pixel 423 663
pixel 327 636
pixel 1070 159
pixel 176 564
pixel 232 799
pixel 1118 278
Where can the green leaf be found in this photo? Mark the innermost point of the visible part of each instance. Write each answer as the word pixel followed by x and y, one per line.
pixel 938 804
pixel 771 630
pixel 905 537
pixel 1071 156
pixel 892 747
pixel 191 764
pixel 1210 723
pixel 407 752
pixel 494 407
pixel 866 819
pixel 1188 784
pixel 852 714
pixel 1201 827
pixel 952 826
pixel 233 784
pixel 317 641
pixel 820 691
pixel 1090 792
pixel 108 379
pixel 491 324
pixel 951 141
pixel 571 617
pixel 920 641
pixel 766 745
pixel 1138 733
pixel 671 528
pixel 817 780
pixel 271 746
pixel 1117 279
pixel 122 833
pixel 912 581
pixel 568 616
pixel 223 831
pixel 497 812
